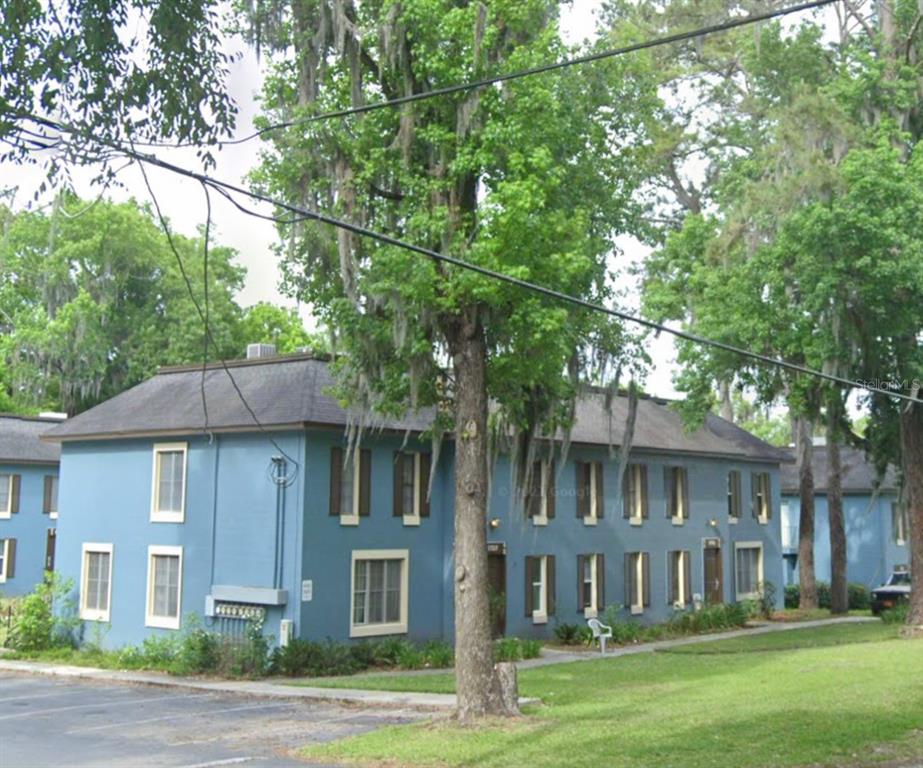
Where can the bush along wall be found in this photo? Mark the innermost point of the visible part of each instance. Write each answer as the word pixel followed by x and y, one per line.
pixel 859 596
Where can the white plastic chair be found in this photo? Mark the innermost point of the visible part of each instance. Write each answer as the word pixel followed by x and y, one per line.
pixel 601 632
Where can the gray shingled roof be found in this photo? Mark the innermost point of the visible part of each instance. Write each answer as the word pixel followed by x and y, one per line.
pixel 292 391
pixel 19 440
pixel 858 473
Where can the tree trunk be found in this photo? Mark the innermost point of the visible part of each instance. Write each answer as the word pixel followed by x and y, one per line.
pixel 474 671
pixel 839 602
pixel 804 444
pixel 911 429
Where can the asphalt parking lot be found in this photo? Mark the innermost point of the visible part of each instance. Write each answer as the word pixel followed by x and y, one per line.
pixel 52 722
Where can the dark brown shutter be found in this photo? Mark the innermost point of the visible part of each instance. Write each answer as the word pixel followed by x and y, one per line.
pixel 528 568
pixel 582 469
pixel 549 502
pixel 14 494
pixel 687 574
pixel 46 500
pixel 895 512
pixel 673 576
pixel 365 482
pixel 580 605
pixel 767 496
pixel 398 493
pixel 534 500
pixel 628 485
pixel 549 586
pixel 646 575
pixel 645 510
pixel 686 508
pixel 600 500
pixel 754 491
pixel 669 489
pixel 336 479
pixel 600 582
pixel 10 558
pixel 425 466
pixel 629 580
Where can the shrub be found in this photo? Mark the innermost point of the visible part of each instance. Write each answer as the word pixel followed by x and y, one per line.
pixel 36 627
pixel 767 599
pixel 199 650
pixel 438 654
pixel 586 636
pixel 860 598
pixel 530 649
pixel 567 634
pixel 249 658
pixel 296 659
pixel 897 614
pixel 792 595
pixel 389 650
pixel 410 657
pixel 507 649
pixel 159 651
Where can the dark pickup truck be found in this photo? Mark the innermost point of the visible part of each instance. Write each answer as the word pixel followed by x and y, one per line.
pixel 896 590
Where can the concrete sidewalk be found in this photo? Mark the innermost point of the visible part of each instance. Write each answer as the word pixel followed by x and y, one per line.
pixel 424 701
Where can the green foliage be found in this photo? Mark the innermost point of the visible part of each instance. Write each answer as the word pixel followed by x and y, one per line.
pixel 859 596
pixel 437 654
pixel 507 649
pixel 36 625
pixel 568 634
pixel 896 615
pixel 269 324
pixel 199 651
pixel 767 599
pixel 530 648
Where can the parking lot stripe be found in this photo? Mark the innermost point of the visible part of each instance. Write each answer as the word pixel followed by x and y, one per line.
pixel 40 695
pixel 53 710
pixel 212 763
pixel 204 713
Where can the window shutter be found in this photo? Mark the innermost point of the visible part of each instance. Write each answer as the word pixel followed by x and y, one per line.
pixel 669 489
pixel 549 587
pixel 646 577
pixel 754 490
pixel 14 494
pixel 10 558
pixel 628 485
pixel 672 579
pixel 534 499
pixel 425 467
pixel 687 576
pixel 895 522
pixel 46 500
pixel 582 469
pixel 767 498
pixel 645 511
pixel 529 566
pixel 600 582
pixel 580 605
pixel 336 478
pixel 735 494
pixel 686 508
pixel 629 580
pixel 365 481
pixel 398 493
pixel 600 499
pixel 549 489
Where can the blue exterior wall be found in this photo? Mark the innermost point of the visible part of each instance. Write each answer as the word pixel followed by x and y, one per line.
pixel 871 552
pixel 29 527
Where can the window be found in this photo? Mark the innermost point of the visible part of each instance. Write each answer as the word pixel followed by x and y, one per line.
pixel 591 577
pixel 168 499
pixel 900 523
pixel 676 491
pixel 540 588
pixel 164 587
pixel 760 496
pixel 590 503
pixel 379 592
pixel 748 569
pixel 96 582
pixel 734 497
pixel 411 486
pixel 637 581
pixel 540 500
pixel 7 559
pixel 679 578
pixel 350 490
pixel 50 501
pixel 9 495
pixel 634 494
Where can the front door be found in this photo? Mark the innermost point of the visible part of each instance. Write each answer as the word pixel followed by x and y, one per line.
pixel 49 549
pixel 496 588
pixel 714 575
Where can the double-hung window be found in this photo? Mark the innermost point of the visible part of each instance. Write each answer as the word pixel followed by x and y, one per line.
pixel 748 569
pixel 540 588
pixel 411 486
pixel 591 577
pixel 634 494
pixel 676 487
pixel 7 559
pixel 589 482
pixel 380 580
pixel 164 587
pixel 9 495
pixel 734 496
pixel 50 500
pixel 96 582
pixel 350 485
pixel 168 498
pixel 760 496
pixel 679 578
pixel 637 581
pixel 541 497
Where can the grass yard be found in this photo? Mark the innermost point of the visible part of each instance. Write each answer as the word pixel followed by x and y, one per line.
pixel 840 695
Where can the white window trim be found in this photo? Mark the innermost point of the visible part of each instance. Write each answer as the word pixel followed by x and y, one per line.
pixel 390 628
pixel 6 559
pixel 540 613
pixel 413 519
pixel 6 514
pixel 353 519
pixel 541 519
pixel 682 587
pixel 637 512
pixel 738 545
pixel 163 622
pixel 902 526
pixel 53 513
pixel 88 614
pixel 638 607
pixel 168 517
pixel 592 516
pixel 592 610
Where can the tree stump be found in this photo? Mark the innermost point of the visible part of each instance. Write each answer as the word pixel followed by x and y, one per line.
pixel 505 690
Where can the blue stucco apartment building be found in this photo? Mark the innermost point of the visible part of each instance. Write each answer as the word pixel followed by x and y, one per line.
pixel 28 503
pixel 877 525
pixel 166 518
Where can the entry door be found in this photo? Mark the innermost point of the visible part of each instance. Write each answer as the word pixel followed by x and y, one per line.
pixel 49 549
pixel 496 587
pixel 714 575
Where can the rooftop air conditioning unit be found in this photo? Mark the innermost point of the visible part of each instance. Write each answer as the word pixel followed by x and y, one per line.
pixel 255 351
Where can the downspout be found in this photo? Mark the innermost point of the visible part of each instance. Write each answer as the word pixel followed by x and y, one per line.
pixel 211 572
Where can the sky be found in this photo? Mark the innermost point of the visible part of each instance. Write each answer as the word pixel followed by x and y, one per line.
pixel 183 202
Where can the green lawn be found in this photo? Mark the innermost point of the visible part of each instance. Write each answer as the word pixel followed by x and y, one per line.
pixel 852 696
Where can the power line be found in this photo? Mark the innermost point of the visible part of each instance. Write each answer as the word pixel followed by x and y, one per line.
pixel 448 90
pixel 306 214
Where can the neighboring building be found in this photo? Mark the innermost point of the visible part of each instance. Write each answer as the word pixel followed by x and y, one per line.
pixel 876 523
pixel 28 502
pixel 164 519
